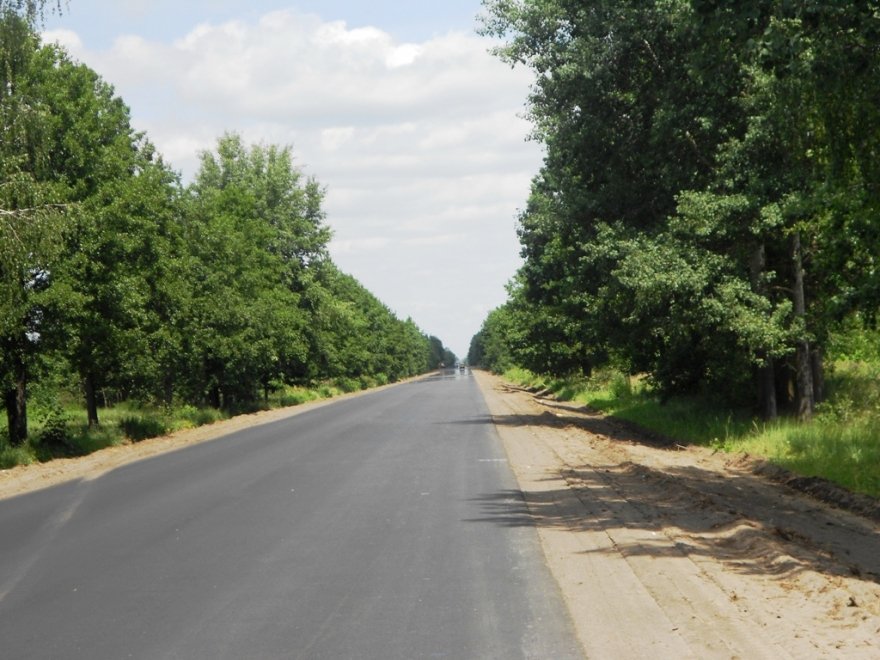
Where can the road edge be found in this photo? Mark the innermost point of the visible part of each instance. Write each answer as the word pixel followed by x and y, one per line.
pixel 24 479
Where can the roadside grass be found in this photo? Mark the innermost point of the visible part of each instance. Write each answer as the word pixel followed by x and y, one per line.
pixel 59 429
pixel 841 444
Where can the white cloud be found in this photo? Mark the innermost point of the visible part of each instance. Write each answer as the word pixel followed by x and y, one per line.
pixel 67 38
pixel 359 246
pixel 403 55
pixel 336 137
pixel 419 144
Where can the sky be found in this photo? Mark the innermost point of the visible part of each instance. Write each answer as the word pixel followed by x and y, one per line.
pixel 397 108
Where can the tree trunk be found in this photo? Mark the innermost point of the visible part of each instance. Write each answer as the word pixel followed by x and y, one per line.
pixel 766 375
pixel 803 367
pixel 818 368
pixel 91 400
pixel 168 389
pixel 214 397
pixel 15 399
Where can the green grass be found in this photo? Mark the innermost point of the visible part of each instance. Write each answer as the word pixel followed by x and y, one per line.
pixel 848 455
pixel 12 456
pixel 841 444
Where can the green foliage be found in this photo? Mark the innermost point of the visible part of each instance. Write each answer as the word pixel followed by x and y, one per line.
pixel 347 384
pixel 440 355
pixel 31 204
pixel 193 416
pixel 491 347
pixel 54 432
pixel 707 210
pixel 295 396
pixel 141 427
pixel 855 341
pixel 119 284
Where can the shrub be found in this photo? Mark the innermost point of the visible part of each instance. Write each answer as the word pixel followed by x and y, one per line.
pixel 327 391
pixel 620 386
pixel 348 384
pixel 295 396
pixel 199 416
pixel 54 438
pixel 141 427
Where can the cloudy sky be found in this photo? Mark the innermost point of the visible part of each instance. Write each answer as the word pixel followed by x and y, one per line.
pixel 396 108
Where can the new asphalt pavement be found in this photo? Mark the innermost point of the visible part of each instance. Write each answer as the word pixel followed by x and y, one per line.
pixel 356 530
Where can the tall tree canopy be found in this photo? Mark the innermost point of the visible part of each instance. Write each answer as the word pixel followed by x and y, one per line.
pixel 31 202
pixel 116 277
pixel 708 201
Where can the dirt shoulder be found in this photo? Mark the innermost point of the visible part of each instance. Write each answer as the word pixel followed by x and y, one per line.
pixel 682 552
pixel 26 478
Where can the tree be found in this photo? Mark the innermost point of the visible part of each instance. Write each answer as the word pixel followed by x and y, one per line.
pixel 31 201
pixel 257 233
pixel 702 161
pixel 97 294
pixel 490 347
pixel 626 130
pixel 440 355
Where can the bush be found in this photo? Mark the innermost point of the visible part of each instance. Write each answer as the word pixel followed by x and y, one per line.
pixel 54 438
pixel 141 427
pixel 295 396
pixel 199 416
pixel 620 386
pixel 327 391
pixel 348 384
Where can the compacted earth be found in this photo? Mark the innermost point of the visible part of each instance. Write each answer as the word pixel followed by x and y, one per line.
pixel 659 550
pixel 663 550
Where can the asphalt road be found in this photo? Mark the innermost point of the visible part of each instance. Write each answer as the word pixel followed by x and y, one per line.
pixel 350 531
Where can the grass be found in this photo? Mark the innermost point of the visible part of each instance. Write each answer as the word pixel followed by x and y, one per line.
pixel 841 444
pixel 12 456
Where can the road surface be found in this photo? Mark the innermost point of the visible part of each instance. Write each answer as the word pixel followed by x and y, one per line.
pixel 351 531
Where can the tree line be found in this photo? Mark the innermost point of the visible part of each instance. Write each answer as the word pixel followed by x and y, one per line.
pixel 707 209
pixel 118 281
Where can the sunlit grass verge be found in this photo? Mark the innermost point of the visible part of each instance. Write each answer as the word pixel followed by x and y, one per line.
pixel 842 444
pixel 62 431
pixel 12 456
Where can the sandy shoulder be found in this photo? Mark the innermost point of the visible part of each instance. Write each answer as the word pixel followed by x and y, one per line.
pixel 683 552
